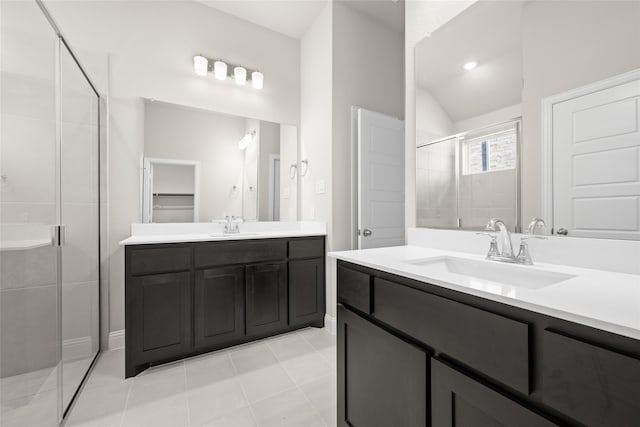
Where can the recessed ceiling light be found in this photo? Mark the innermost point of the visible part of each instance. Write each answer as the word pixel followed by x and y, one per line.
pixel 470 65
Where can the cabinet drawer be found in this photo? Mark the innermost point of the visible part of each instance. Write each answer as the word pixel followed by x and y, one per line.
pixel 494 345
pixel 239 252
pixel 152 260
pixel 306 248
pixel 354 289
pixel 594 385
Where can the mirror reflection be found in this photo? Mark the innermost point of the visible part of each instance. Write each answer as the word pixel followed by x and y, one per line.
pixel 205 166
pixel 558 84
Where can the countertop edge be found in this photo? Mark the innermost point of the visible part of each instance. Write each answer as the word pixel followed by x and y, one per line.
pixel 196 238
pixel 602 325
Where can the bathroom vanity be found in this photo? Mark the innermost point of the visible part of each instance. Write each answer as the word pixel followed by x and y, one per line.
pixel 421 342
pixel 213 290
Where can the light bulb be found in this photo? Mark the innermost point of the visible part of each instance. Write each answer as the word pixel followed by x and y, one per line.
pixel 470 65
pixel 200 65
pixel 246 140
pixel 240 74
pixel 257 78
pixel 220 70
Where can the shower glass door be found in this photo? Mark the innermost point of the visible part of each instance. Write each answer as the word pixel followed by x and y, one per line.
pixel 29 338
pixel 79 196
pixel 49 181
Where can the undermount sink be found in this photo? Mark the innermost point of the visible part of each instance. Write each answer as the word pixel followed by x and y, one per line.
pixel 479 273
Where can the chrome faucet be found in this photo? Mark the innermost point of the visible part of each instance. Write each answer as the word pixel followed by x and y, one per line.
pixel 536 224
pixel 505 252
pixel 524 256
pixel 231 225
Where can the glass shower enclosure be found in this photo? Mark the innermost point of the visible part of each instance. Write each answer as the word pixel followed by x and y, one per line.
pixel 49 220
pixel 464 180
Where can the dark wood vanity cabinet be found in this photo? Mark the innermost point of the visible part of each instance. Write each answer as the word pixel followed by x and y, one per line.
pixel 487 363
pixel 218 305
pixel 188 298
pixel 374 392
pixel 266 301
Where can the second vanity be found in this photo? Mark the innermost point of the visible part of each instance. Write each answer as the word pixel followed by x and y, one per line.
pixel 191 288
pixel 428 336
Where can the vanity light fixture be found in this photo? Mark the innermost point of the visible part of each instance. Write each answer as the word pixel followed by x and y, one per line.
pixel 222 69
pixel 200 65
pixel 470 65
pixel 257 79
pixel 240 74
pixel 246 140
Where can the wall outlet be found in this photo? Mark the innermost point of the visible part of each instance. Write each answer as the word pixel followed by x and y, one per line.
pixel 320 186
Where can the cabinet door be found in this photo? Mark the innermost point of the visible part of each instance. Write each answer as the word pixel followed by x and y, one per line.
pixel 219 305
pixel 382 380
pixel 306 291
pixel 158 318
pixel 460 401
pixel 266 287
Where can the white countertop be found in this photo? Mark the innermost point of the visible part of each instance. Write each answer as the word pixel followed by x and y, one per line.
pixel 146 234
pixel 600 299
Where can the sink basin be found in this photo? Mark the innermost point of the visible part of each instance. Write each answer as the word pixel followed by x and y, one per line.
pixel 479 273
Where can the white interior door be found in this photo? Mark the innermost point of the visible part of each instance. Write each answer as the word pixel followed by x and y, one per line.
pixel 380 180
pixel 596 164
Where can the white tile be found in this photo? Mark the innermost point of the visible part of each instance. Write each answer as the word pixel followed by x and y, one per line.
pixel 260 373
pixel 40 410
pixel 239 418
pixel 322 394
pixel 158 399
pixel 212 388
pixel 109 370
pixel 288 409
pixel 100 406
pixel 299 358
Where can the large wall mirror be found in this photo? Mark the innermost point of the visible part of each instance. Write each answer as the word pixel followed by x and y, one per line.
pixel 531 109
pixel 202 166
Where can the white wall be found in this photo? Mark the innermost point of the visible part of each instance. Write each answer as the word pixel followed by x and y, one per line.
pixel 492 118
pixel 180 133
pixel 367 73
pixel 150 46
pixel 432 122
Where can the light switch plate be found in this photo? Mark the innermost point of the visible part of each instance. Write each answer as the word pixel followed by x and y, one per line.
pixel 320 186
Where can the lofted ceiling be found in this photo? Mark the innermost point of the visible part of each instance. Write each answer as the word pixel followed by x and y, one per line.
pixel 289 17
pixel 293 17
pixel 387 12
pixel 488 32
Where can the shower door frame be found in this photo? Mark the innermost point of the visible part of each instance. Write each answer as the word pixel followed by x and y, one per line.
pixel 459 137
pixel 58 241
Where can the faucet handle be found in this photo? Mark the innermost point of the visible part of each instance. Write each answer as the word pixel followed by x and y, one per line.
pixel 493 246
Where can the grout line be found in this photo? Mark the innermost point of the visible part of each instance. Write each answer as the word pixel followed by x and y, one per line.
pixel 126 404
pixel 297 386
pixel 244 392
pixel 186 392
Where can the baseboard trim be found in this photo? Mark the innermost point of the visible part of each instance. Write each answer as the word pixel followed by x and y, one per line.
pixel 116 339
pixel 77 348
pixel 330 324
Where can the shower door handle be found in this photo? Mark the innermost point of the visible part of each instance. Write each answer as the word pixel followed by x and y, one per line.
pixel 58 235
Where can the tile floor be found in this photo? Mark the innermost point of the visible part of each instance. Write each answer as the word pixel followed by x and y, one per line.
pixel 288 380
